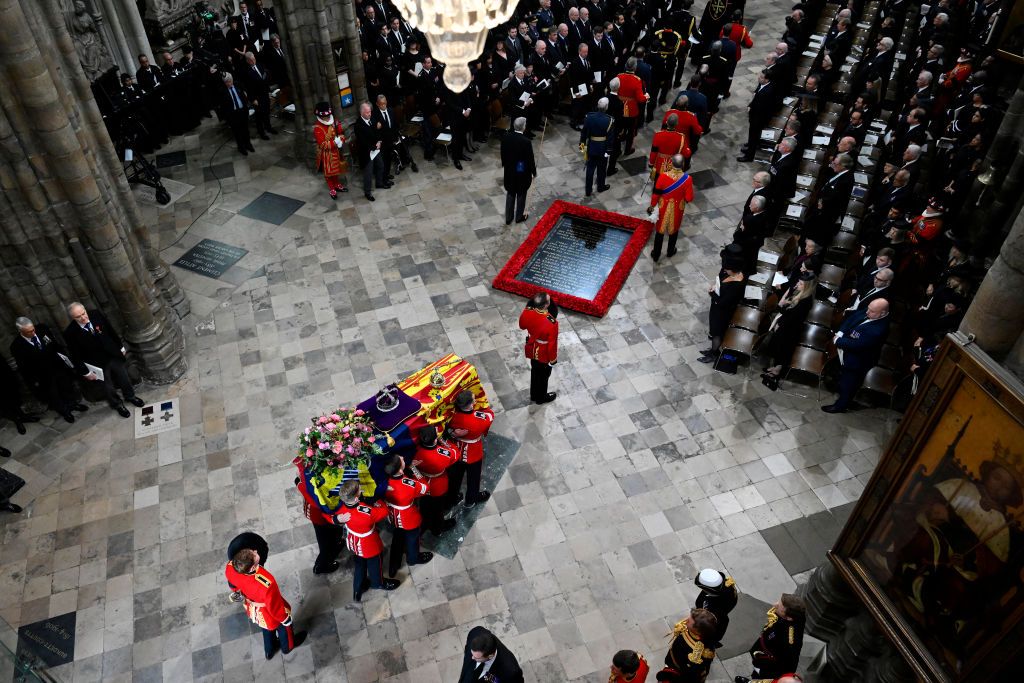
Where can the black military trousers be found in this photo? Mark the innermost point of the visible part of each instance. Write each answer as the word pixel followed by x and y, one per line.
pixel 539 374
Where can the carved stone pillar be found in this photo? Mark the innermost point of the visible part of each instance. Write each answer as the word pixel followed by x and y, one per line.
pixel 996 316
pixel 73 228
pixel 829 602
pixel 848 656
pixel 166 21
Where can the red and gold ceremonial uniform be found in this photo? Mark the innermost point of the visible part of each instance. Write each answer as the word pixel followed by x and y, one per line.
pixel 470 429
pixel 542 335
pixel 363 538
pixel 672 191
pixel 688 125
pixel 432 463
pixel 631 92
pixel 925 228
pixel 666 144
pixel 741 36
pixel 950 85
pixel 265 607
pixel 638 677
pixel 329 158
pixel 400 497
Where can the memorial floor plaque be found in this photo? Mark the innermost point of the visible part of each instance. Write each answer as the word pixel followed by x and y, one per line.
pixel 576 256
pixel 579 255
pixel 210 258
pixel 50 640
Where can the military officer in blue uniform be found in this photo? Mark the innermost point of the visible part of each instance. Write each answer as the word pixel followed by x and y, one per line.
pixel 596 141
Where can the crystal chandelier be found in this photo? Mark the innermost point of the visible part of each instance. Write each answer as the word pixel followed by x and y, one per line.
pixel 456 30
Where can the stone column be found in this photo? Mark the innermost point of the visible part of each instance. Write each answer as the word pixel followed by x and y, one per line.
pixel 71 187
pixel 356 74
pixel 996 316
pixel 119 42
pixel 135 32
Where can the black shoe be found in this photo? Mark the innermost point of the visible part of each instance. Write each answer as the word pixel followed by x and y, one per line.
pixel 68 417
pixel 707 352
pixel 457 164
pixel 465 158
pixel 744 159
pixel 415 168
pixel 121 410
pixel 273 651
pixel 385 186
pixel 832 409
pixel 80 407
pixel 547 398
pixel 245 153
pixel 5 452
pixel 523 218
pixel 389 178
pixel 481 497
pixel 671 252
pixel 710 358
pixel 251 148
pixel 424 557
pixel 20 426
pixel 612 172
pixel 602 188
pixel 264 136
pixel 589 194
pixel 370 197
pixel 655 255
pixel 10 507
pixel 136 401
pixel 445 525
pixel 741 679
pixel 576 126
pixel 454 501
pixel 333 566
pixel 390 584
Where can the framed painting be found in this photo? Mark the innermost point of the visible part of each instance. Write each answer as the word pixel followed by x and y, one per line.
pixel 935 547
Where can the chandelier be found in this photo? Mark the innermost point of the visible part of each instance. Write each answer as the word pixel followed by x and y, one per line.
pixel 456 31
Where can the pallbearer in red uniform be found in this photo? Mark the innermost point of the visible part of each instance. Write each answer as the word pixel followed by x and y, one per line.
pixel 330 142
pixel 631 92
pixel 431 462
pixel 263 602
pixel 329 536
pixel 539 321
pixel 363 540
pixel 405 517
pixel 468 426
pixel 628 667
pixel 672 191
pixel 666 144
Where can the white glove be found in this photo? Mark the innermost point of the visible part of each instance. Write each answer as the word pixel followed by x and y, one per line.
pixel 337 141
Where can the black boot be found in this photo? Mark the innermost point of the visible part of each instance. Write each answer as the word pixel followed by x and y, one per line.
pixel 659 238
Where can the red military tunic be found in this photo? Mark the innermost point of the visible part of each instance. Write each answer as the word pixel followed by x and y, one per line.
pixel 926 227
pixel 542 335
pixel 639 677
pixel 362 537
pixel 671 193
pixel 310 507
pixel 631 92
pixel 401 493
pixel 329 158
pixel 264 604
pixel 688 124
pixel 432 463
pixel 470 429
pixel 666 144
pixel 741 36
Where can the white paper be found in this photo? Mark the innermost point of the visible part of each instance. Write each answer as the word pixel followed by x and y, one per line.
pixel 799 196
pixel 542 84
pixel 767 257
pixel 416 119
pixel 825 130
pixel 848 223
pixel 582 90
pixel 597 77
pixel 417 68
pixel 128 154
pixel 374 153
pixel 779 279
pixel 524 97
pixel 693 38
pixel 877 125
pixel 95 370
pixel 846 68
pixel 505 83
pixel 820 140
pixel 789 101
pixel 759 277
pixel 67 361
pixel 866 162
pixel 804 180
pixel 809 53
pixel 768 134
pixel 870 139
pixel 641 36
pixel 794 211
pixel 559 66
pixel 444 137
pixel 860 178
pixel 265 35
pixel 752 292
pixel 810 154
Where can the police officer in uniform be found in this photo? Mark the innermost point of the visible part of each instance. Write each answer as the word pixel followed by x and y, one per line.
pixel 719 596
pixel 597 139
pixel 777 651
pixel 539 321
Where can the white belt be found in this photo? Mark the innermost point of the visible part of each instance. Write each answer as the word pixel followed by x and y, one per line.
pixel 538 341
pixel 431 476
pixel 359 535
pixel 471 440
pixel 399 507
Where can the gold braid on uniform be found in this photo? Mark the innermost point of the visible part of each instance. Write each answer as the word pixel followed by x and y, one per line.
pixel 729 583
pixel 697 649
pixel 772 618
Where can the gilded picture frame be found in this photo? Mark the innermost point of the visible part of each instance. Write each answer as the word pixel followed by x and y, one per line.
pixel 935 546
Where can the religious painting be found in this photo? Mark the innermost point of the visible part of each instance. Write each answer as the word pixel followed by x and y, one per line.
pixel 937 541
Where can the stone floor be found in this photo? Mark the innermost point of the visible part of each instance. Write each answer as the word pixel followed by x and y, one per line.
pixel 647 467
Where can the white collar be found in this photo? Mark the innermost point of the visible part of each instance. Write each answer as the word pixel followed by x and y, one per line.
pixel 328 121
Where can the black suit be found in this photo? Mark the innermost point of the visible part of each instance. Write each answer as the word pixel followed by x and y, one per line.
pixel 235 110
pixel 149 78
pixel 101 347
pixel 580 73
pixel 838 46
pixel 520 170
pixel 367 137
pixel 389 134
pixel 832 200
pixel 277 65
pixel 257 85
pixel 46 374
pixel 750 235
pixel 505 668
pixel 784 172
pixel 761 109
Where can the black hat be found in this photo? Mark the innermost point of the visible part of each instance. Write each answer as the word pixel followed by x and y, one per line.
pixel 323 110
pixel 808 276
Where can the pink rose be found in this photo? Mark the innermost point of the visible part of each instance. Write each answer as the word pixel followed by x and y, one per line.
pixel 345 430
pixel 338 447
pixel 360 412
pixel 309 452
pixel 336 417
pixel 307 431
pixel 329 427
pixel 372 440
pixel 351 451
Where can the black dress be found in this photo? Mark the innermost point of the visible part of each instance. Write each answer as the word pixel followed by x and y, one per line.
pixel 723 305
pixel 787 331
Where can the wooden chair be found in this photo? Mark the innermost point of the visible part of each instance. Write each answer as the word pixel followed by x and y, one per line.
pixel 821 314
pixel 815 337
pixel 881 381
pixel 737 340
pixel 746 318
pixel 892 358
pixel 809 362
pixel 832 276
